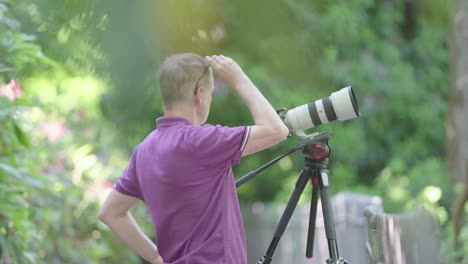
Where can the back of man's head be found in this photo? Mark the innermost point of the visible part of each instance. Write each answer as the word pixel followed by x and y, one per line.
pixel 178 76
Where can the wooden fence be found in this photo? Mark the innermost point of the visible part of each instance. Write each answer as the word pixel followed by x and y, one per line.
pixel 365 236
pixel 403 238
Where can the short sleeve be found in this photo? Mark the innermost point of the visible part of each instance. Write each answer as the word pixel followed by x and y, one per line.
pixel 128 182
pixel 219 146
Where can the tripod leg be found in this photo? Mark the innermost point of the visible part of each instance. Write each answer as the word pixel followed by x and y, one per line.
pixel 312 218
pixel 328 220
pixel 288 211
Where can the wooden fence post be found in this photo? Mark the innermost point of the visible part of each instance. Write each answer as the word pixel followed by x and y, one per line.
pixel 409 238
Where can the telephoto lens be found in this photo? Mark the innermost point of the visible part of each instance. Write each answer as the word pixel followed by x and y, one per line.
pixel 340 105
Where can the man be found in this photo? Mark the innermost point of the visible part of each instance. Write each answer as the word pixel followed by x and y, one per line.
pixel 182 170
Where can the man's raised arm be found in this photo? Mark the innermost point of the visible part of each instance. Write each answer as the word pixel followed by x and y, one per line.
pixel 269 129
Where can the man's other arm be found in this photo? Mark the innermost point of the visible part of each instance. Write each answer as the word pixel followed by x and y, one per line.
pixel 115 214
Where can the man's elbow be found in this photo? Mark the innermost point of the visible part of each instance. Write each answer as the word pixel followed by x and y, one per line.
pixel 282 132
pixel 109 214
pixel 278 133
pixel 103 216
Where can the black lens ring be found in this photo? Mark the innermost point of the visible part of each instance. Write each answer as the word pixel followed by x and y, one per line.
pixel 353 101
pixel 314 114
pixel 329 110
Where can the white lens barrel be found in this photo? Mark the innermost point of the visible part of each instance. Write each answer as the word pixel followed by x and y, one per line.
pixel 298 118
pixel 341 105
pixel 344 104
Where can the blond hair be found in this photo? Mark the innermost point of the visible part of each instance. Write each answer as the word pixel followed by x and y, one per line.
pixel 178 75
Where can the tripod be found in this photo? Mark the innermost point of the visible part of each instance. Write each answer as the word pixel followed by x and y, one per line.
pixel 316 152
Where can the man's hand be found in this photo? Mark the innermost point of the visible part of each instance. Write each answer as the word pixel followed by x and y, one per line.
pixel 227 70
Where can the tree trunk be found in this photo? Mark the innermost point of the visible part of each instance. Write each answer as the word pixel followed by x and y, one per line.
pixel 409 24
pixel 457 125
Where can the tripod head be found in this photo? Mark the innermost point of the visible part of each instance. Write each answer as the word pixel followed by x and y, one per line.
pixel 314 147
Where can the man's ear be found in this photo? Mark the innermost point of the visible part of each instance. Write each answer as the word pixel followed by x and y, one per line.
pixel 199 94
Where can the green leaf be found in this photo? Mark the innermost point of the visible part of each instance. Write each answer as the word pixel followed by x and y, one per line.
pixel 4 68
pixel 7 169
pixel 6 107
pixel 2 241
pixel 34 183
pixel 13 189
pixel 23 138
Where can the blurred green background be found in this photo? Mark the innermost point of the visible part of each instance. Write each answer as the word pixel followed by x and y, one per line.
pixel 80 90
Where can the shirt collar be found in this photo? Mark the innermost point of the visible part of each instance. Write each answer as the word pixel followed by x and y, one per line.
pixel 171 120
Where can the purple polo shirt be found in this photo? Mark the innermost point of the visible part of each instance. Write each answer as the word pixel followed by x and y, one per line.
pixel 183 174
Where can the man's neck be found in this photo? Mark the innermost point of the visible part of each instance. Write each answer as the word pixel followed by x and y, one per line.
pixel 183 111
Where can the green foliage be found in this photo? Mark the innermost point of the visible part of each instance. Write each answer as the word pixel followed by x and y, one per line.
pixel 90 94
pixel 51 179
pixel 15 212
pixel 52 190
pixel 308 50
pixel 20 54
pixel 454 254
